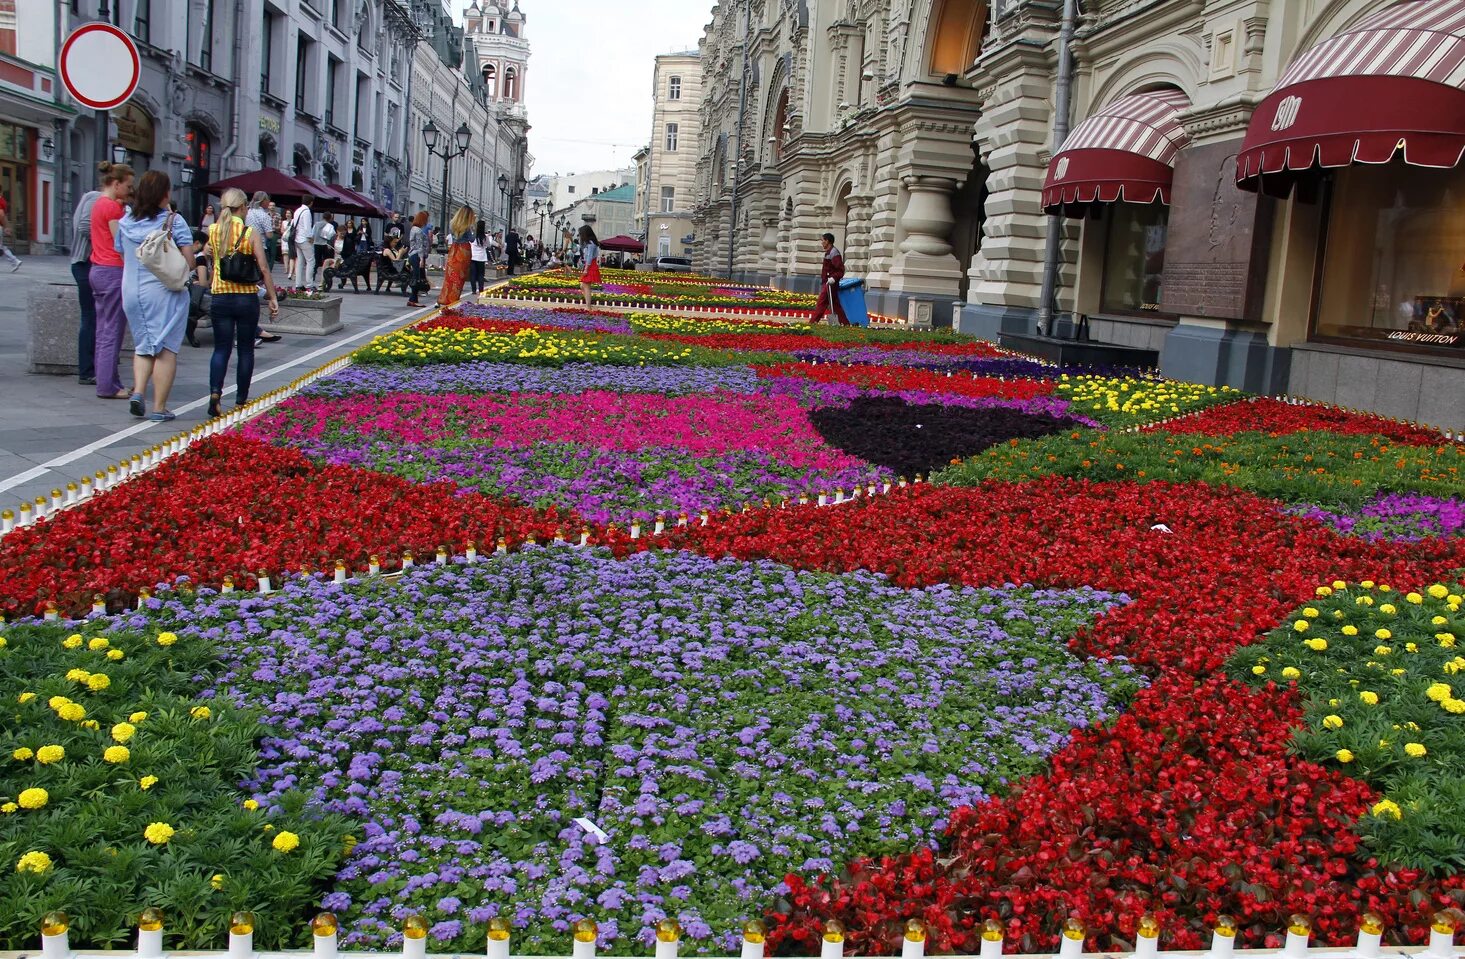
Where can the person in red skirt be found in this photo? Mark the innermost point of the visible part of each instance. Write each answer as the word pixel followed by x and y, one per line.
pixel 829 276
pixel 590 253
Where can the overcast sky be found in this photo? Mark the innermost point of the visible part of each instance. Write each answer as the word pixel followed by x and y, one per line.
pixel 588 88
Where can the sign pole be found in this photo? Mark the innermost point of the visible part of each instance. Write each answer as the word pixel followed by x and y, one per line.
pixel 104 127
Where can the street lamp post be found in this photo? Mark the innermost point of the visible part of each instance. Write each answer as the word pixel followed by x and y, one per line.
pixel 449 152
pixel 542 210
pixel 504 197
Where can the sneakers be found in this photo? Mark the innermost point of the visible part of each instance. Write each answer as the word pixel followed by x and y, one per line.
pixel 16 267
pixel 135 405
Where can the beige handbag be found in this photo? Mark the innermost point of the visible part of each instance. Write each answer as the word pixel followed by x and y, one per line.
pixel 162 257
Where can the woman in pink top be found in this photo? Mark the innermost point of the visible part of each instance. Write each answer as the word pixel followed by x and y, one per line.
pixel 106 277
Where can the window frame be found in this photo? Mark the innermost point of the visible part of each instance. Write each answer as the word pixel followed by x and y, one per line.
pixel 672 135
pixel 674 88
pixel 668 199
pixel 1109 220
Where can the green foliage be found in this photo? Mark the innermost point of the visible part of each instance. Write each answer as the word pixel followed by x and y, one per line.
pixel 104 870
pixel 1384 688
pixel 1324 468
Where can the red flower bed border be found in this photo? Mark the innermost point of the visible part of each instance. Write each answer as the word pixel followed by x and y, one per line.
pixel 905 378
pixel 1275 417
pixel 231 506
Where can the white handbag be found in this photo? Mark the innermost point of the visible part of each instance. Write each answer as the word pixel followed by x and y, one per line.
pixel 162 257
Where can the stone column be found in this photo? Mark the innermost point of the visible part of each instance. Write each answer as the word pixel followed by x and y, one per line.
pixel 857 237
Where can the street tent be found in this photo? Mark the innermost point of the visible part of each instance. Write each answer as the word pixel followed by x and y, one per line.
pixel 328 199
pixel 364 200
pixel 623 243
pixel 280 186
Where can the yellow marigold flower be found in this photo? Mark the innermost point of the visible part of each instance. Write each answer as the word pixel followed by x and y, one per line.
pixel 1437 591
pixel 158 833
pixel 1291 672
pixel 217 880
pixel 115 654
pixel 72 712
pixel 1415 750
pixel 1317 644
pixel 1300 626
pixel 22 754
pixel 1382 634
pixel 116 754
pixel 1446 640
pixel 1455 707
pixel 25 697
pixel 1339 584
pixel 1382 650
pixel 167 639
pixel 98 682
pixel 285 841
pixel 1345 755
pixel 98 643
pixel 33 861
pixel 137 717
pixel 1333 721
pixel 1439 620
pixel 122 732
pixel 1363 601
pixel 1414 598
pixel 78 675
pixel 33 798
pixel 147 782
pixel 1387 807
pixel 1385 588
pixel 200 712
pixel 1350 630
pixel 1324 591
pixel 251 804
pixel 1455 665
pixel 1310 612
pixel 1397 672
pixel 1388 608
pixel 1370 698
pixel 1439 691
pixel 8 808
pixel 72 642
pixel 47 755
pixel 56 702
pixel 1411 647
pixel 1258 670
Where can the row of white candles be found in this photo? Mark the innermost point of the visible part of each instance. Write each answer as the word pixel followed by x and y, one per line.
pixel 325 930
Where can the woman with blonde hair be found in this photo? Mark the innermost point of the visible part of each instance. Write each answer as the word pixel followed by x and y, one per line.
pixel 239 267
pixel 461 234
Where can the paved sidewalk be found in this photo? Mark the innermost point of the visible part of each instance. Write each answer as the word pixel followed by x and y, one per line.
pixel 54 431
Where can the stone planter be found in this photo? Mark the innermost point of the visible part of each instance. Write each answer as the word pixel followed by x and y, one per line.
pixel 54 316
pixel 309 317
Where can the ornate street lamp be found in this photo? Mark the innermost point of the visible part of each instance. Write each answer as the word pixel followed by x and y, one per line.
pixel 430 137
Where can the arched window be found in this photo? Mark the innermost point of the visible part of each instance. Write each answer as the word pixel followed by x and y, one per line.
pixel 490 80
pixel 511 84
pixel 780 132
pixel 958 36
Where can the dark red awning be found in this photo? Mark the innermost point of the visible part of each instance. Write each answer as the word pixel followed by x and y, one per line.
pixel 271 181
pixel 1388 88
pixel 1124 153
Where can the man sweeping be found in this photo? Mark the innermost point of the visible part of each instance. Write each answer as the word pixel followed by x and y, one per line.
pixel 829 276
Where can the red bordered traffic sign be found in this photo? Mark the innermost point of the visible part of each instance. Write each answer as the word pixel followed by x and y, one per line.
pixel 100 66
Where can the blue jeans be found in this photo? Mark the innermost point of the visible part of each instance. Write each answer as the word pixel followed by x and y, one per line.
pixel 86 337
pixel 236 319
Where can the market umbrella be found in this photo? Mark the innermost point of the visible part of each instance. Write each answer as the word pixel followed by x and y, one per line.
pixel 329 199
pixel 623 243
pixel 277 184
pixel 364 201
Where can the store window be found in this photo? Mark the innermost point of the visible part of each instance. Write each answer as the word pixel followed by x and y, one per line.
pixel 1392 271
pixel 1134 257
pixel 15 160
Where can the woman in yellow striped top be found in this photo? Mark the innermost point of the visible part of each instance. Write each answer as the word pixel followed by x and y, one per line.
pixel 235 309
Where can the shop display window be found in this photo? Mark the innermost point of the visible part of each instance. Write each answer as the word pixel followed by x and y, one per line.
pixel 1134 257
pixel 1393 265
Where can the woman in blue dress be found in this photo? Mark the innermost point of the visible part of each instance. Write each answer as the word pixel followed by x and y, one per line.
pixel 156 315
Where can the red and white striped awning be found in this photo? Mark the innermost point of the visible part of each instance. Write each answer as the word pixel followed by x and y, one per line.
pixel 1394 85
pixel 1125 152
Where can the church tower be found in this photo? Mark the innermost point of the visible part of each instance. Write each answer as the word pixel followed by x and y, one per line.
pixel 496 30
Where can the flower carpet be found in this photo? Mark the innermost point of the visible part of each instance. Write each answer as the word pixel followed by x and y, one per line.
pixel 631 616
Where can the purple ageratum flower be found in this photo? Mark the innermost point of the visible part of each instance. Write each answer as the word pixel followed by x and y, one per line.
pixel 1408 517
pixel 641 663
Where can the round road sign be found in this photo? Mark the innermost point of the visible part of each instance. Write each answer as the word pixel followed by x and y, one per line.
pixel 100 66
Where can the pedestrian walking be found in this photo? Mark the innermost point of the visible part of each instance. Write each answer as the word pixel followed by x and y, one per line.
pixel 590 250
pixel 156 314
pixel 233 246
pixel 258 220
pixel 829 276
pixel 272 238
pixel 460 256
pixel 302 232
pixel 478 249
pixel 348 238
pixel 418 246
pixel 81 268
pixel 513 246
pixel 10 257
pixel 106 277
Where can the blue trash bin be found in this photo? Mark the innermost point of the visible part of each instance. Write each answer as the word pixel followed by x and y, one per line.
pixel 852 300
